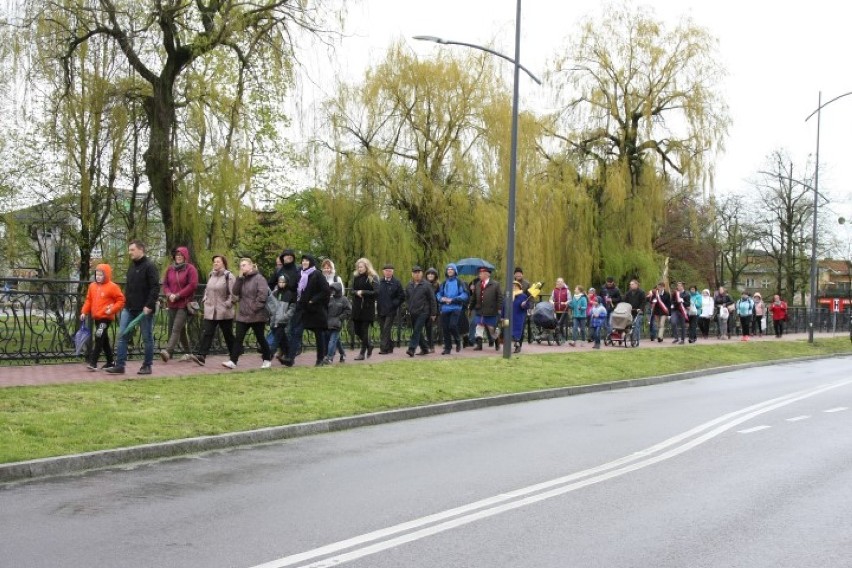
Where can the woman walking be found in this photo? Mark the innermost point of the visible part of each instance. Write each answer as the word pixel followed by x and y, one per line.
pixel 252 291
pixel 365 284
pixel 179 287
pixel 218 308
pixel 312 298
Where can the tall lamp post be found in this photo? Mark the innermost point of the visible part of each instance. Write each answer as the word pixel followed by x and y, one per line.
pixel 513 168
pixel 813 279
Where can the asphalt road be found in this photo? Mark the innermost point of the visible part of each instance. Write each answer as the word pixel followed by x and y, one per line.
pixel 747 469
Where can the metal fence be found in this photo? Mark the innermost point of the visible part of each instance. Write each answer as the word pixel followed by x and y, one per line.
pixel 38 320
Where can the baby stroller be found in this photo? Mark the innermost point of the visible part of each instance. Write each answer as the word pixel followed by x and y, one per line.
pixel 546 325
pixel 621 324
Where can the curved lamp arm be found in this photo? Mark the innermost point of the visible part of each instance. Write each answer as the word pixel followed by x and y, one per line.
pixel 443 41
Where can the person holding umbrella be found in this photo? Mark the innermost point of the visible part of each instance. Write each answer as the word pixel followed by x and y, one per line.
pixel 141 291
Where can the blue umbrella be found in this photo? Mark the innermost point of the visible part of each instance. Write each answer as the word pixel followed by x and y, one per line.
pixel 470 266
pixel 81 337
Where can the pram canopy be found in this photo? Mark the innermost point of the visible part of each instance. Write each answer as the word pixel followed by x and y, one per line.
pixel 544 315
pixel 622 316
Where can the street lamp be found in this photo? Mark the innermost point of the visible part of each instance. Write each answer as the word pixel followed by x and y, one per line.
pixel 813 282
pixel 513 168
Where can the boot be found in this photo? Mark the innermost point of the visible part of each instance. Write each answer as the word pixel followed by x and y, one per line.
pixel 478 346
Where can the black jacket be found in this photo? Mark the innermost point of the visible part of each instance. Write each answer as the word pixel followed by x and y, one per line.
pixel 292 272
pixel 364 307
pixel 314 301
pixel 657 308
pixel 390 296
pixel 611 297
pixel 636 299
pixel 421 298
pixel 143 286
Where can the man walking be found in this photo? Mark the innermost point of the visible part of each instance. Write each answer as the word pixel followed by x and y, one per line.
pixel 489 305
pixel 141 291
pixel 388 300
pixel 635 296
pixel 421 308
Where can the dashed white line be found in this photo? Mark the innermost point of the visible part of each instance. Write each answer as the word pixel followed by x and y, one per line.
pixel 838 409
pixel 755 429
pixel 797 418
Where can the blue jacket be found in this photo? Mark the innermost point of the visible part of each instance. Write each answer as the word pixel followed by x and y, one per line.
pixel 579 305
pixel 454 290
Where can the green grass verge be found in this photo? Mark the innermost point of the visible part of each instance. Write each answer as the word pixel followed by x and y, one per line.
pixel 57 420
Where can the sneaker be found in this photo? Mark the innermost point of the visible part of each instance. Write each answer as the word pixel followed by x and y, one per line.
pixel 185 358
pixel 197 359
pixel 91 367
pixel 265 364
pixel 144 370
pixel 164 355
pixel 229 364
pixel 115 370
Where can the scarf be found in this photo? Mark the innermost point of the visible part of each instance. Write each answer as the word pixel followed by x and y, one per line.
pixel 303 281
pixel 662 304
pixel 678 303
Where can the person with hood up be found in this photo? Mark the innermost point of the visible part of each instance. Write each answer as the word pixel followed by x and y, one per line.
pixel 179 285
pixel 288 348
pixel 279 320
pixel 339 311
pixel 252 292
pixel 141 292
pixel 312 295
pixel 218 306
pixel 452 298
pixel 104 299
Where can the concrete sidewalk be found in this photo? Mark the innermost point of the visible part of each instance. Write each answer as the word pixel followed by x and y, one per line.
pixel 47 373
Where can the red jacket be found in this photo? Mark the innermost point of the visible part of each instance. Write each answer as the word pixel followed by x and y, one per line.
pixel 181 281
pixel 102 296
pixel 779 311
pixel 560 299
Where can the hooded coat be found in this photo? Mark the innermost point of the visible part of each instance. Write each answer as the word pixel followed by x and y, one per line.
pixel 313 301
pixel 339 307
pixel 452 290
pixel 101 296
pixel 181 280
pixel 291 271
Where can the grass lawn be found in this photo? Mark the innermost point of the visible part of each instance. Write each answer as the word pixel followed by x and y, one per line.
pixel 57 420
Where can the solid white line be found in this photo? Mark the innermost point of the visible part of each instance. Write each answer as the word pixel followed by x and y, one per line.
pixel 755 429
pixel 497 504
pixel 838 409
pixel 797 418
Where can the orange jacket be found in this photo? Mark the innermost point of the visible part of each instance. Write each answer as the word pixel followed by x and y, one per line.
pixel 103 296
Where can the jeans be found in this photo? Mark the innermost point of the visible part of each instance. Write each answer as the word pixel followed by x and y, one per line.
pixel 450 326
pixel 147 327
pixel 295 330
pixel 678 325
pixel 579 329
pixel 637 327
pixel 417 335
pixel 334 343
pixel 596 334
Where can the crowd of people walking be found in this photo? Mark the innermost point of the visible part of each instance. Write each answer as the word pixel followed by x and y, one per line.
pixel 441 308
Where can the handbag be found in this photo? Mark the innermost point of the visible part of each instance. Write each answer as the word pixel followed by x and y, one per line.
pixel 193 308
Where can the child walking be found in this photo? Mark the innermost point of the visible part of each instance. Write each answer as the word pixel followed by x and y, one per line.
pixel 104 300
pixel 598 317
pixel 339 311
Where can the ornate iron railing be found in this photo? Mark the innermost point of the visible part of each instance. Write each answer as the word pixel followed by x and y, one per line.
pixel 38 320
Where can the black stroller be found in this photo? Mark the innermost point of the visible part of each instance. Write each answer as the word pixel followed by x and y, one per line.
pixel 546 324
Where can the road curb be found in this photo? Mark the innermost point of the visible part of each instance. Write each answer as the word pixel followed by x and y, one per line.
pixel 77 463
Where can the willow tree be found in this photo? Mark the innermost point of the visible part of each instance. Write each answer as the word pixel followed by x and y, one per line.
pixel 642 113
pixel 168 45
pixel 413 130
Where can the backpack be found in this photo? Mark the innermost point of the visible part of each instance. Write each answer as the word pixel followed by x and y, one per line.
pixel 271 306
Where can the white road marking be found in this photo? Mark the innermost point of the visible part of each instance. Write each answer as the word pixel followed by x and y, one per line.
pixel 453 518
pixel 755 429
pixel 838 409
pixel 797 418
